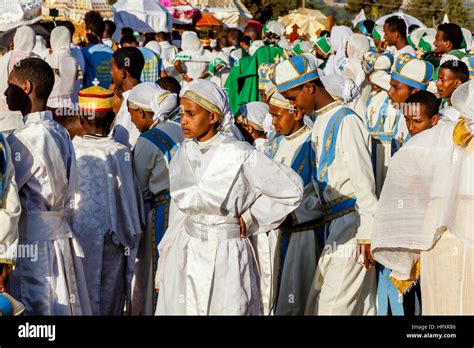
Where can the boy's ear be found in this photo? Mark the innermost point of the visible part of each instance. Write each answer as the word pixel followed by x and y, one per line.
pixel 435 120
pixel 310 87
pixel 213 118
pixel 27 87
pixel 142 113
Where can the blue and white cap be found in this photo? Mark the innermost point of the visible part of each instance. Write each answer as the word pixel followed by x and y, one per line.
pixel 295 72
pixel 413 72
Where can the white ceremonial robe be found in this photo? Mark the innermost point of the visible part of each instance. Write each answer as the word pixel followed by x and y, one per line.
pixel 205 266
pixel 341 286
pixel 302 253
pixel 168 53
pixel 107 220
pixel 10 207
pixel 152 171
pixel 124 130
pixel 9 121
pixel 381 149
pixel 51 281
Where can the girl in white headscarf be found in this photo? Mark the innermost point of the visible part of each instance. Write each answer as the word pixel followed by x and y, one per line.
pixel 356 87
pixel 65 69
pixel 23 43
pixel 339 37
pixel 151 109
pixel 193 62
pixel 218 201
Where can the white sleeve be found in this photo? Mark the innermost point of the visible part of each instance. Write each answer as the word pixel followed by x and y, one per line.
pixel 280 192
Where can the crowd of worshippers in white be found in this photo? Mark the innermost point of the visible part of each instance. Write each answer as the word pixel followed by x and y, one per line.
pixel 306 203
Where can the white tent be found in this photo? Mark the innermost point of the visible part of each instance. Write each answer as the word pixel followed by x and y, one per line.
pixel 232 13
pixel 15 13
pixel 142 15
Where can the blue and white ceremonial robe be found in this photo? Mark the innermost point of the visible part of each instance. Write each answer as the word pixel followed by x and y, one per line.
pixel 153 153
pixel 297 249
pixel 346 188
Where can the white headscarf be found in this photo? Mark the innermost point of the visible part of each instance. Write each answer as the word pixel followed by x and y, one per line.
pixel 339 37
pixel 60 45
pixel 154 46
pixel 255 113
pixel 357 46
pixel 213 98
pixel 150 97
pixel 254 46
pixel 190 42
pixel 40 48
pixel 23 44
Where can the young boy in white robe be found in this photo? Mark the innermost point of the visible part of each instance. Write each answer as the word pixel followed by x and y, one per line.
pixel 222 192
pixel 297 251
pixel 52 283
pixel 344 282
pixel 151 109
pixel 107 206
pixel 10 210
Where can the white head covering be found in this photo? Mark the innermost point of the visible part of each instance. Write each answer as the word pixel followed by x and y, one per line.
pixel 357 45
pixel 60 45
pixel 148 96
pixel 295 71
pixel 334 85
pixel 466 33
pixel 381 78
pixel 190 42
pixel 212 98
pixel 254 46
pixel 254 113
pixel 340 35
pixel 40 48
pixel 154 46
pixel 275 27
pixel 24 40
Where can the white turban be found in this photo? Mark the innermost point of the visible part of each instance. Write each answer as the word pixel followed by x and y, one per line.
pixel 254 113
pixel 357 46
pixel 150 97
pixel 190 42
pixel 212 98
pixel 154 46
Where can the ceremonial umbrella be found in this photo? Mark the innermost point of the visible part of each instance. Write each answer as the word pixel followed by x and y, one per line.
pixel 309 21
pixel 208 20
pixel 15 13
pixel 409 20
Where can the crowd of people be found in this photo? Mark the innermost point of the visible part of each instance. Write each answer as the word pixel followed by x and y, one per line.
pixel 250 176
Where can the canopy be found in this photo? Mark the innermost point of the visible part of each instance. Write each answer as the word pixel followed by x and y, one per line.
pixel 144 16
pixel 232 13
pixel 181 10
pixel 309 21
pixel 409 20
pixel 208 20
pixel 76 9
pixel 15 13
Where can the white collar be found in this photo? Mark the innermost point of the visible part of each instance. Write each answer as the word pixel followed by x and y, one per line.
pixel 38 116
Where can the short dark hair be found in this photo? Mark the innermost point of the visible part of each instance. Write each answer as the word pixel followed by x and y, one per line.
pixel 95 22
pixel 235 34
pixel 412 27
pixel 69 25
pixel 39 73
pixel 426 99
pixel 102 119
pixel 130 59
pixel 126 31
pixel 452 33
pixel 396 24
pixel 325 33
pixel 129 39
pixel 170 84
pixel 369 25
pixel 110 27
pixel 162 35
pixel 458 68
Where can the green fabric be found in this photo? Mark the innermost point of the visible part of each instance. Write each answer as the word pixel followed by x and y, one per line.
pixel 458 54
pixel 242 83
pixel 424 45
pixel 410 42
pixel 376 35
pixel 431 58
pixel 324 45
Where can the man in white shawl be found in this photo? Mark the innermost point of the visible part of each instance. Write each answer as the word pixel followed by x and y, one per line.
pixel 65 69
pixel 107 217
pixel 10 210
pixel 23 43
pixel 152 109
pixel 218 200
pixel 193 62
pixel 424 223
pixel 52 283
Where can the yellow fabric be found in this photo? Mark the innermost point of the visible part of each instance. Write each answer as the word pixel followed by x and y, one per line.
pixel 95 97
pixel 461 135
pixel 404 285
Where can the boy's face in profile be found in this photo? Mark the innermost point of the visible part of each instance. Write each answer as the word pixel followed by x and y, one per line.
pixel 417 120
pixel 399 92
pixel 16 95
pixel 447 83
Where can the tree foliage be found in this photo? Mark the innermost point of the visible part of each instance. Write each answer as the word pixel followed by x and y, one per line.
pixel 458 13
pixel 373 9
pixel 428 11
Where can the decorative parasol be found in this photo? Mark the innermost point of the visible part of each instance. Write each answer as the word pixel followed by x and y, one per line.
pixel 309 21
pixel 15 13
pixel 207 20
pixel 409 20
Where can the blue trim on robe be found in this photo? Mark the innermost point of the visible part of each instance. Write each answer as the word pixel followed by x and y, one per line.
pixel 387 293
pixel 163 141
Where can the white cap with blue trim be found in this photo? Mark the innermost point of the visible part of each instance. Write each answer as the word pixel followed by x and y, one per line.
pixel 296 71
pixel 413 72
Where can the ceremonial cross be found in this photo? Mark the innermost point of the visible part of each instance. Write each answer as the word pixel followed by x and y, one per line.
pixel 95 82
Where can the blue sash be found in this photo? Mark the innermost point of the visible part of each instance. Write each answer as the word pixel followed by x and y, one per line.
pixel 163 141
